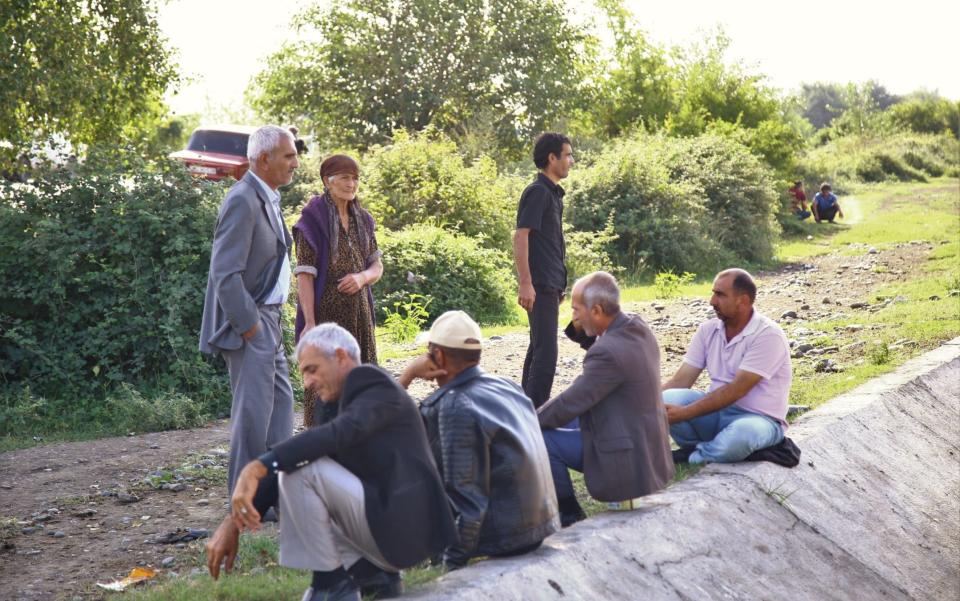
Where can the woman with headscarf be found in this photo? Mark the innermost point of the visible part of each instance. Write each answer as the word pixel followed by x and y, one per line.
pixel 337 262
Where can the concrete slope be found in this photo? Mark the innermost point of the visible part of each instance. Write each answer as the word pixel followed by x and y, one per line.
pixel 872 512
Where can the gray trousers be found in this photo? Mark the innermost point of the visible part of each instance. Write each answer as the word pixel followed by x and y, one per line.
pixel 262 411
pixel 323 520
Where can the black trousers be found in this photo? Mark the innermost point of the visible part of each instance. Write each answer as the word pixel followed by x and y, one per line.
pixel 540 364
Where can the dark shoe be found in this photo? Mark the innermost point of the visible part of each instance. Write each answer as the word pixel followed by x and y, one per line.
pixel 570 512
pixel 682 455
pixel 375 582
pixel 345 590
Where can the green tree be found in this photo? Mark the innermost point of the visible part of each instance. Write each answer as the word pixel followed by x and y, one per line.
pixel 381 65
pixel 926 113
pixel 639 87
pixel 83 69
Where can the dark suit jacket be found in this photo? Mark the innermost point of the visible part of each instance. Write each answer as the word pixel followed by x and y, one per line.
pixel 378 435
pixel 626 446
pixel 245 262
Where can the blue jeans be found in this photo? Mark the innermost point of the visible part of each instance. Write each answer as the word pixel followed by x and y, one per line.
pixel 565 450
pixel 723 436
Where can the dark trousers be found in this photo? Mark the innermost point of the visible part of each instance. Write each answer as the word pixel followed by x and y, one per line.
pixel 828 213
pixel 540 364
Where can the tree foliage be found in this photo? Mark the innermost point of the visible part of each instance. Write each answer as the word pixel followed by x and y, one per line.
pixel 83 69
pixel 382 65
pixel 102 274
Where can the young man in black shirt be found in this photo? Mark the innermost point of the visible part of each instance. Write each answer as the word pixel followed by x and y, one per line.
pixel 539 252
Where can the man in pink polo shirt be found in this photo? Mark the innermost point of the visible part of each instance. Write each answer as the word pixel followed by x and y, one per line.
pixel 748 359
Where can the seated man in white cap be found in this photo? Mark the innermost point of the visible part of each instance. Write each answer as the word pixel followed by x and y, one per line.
pixel 486 439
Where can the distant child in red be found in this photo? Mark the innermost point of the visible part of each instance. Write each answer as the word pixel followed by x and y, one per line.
pixel 798 206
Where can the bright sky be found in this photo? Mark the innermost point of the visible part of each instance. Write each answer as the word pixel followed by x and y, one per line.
pixel 221 44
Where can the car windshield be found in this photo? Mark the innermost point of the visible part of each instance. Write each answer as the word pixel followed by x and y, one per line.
pixel 219 141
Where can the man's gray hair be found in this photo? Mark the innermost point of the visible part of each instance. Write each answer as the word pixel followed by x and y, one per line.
pixel 327 338
pixel 265 140
pixel 600 288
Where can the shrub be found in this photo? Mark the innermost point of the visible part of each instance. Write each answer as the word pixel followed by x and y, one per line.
pixel 695 204
pixel 668 284
pixel 901 156
pixel 422 179
pixel 453 270
pixel 588 251
pixel 102 276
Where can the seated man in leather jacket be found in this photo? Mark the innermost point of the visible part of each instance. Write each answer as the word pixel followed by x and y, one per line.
pixel 486 439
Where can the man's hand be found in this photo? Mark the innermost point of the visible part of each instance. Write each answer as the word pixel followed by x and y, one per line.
pixel 223 546
pixel 527 296
pixel 351 283
pixel 243 513
pixel 252 331
pixel 840 213
pixel 422 367
pixel 675 413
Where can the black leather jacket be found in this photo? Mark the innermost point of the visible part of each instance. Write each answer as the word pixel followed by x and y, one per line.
pixel 486 439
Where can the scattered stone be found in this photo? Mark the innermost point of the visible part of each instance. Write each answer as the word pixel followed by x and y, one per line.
pixel 85 513
pixel 42 517
pixel 872 251
pixel 657 307
pixel 797 409
pixel 492 338
pixel 934 297
pixel 854 327
pixel 178 487
pixel 167 561
pixel 154 446
pixel 29 529
pixel 804 307
pixel 803 348
pixel 203 502
pixel 859 305
pixel 826 366
pixel 952 293
pixel 788 315
pixel 827 300
pixel 900 299
pixel 125 498
pixel 58 534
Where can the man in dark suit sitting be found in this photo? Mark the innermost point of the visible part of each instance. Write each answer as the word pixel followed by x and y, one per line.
pixel 360 490
pixel 620 440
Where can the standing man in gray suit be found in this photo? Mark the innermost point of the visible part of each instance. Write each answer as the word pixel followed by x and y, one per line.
pixel 247 286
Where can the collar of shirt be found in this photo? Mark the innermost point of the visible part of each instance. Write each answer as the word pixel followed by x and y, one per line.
pixel 752 326
pixel 546 181
pixel 272 195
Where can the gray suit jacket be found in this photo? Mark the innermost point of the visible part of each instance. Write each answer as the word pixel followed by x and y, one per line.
pixel 247 256
pixel 626 446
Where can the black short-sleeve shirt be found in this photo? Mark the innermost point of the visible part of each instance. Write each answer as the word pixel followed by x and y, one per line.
pixel 541 210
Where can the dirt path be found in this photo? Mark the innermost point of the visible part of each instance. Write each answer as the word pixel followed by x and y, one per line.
pixel 77 513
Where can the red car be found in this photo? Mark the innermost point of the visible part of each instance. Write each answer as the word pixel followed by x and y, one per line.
pixel 216 152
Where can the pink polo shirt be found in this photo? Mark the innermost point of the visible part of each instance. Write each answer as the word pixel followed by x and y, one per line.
pixel 761 348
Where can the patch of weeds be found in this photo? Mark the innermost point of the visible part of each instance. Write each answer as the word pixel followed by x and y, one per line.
pixel 778 493
pixel 70 501
pixel 880 269
pixel 403 323
pixel 204 469
pixel 668 284
pixel 822 341
pixel 9 527
pixel 879 354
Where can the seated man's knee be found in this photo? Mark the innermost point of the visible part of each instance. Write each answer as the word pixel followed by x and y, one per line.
pixel 681 396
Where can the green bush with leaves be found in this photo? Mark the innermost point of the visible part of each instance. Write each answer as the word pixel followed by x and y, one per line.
pixel 589 251
pixel 422 179
pixel 869 158
pixel 686 204
pixel 454 270
pixel 102 276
